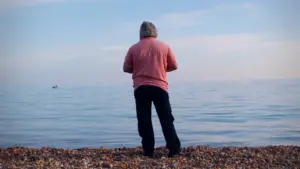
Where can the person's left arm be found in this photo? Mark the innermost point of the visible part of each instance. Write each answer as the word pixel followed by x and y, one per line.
pixel 128 62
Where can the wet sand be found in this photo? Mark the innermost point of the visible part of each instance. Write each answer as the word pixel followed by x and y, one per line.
pixel 192 157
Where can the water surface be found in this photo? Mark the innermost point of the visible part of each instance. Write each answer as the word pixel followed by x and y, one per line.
pixel 213 113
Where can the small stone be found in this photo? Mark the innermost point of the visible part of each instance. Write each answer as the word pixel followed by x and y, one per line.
pixel 103 157
pixel 118 158
pixel 173 165
pixel 107 165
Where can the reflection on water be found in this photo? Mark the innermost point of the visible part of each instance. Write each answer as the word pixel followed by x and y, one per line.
pixel 215 113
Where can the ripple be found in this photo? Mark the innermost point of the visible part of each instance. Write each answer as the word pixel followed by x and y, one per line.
pixel 218 114
pixel 287 138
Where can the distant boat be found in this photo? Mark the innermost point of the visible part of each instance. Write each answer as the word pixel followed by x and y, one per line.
pixel 54 87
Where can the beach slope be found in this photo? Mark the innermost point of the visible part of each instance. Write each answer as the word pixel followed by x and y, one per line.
pixel 192 157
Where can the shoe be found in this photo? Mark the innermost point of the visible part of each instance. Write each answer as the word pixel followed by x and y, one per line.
pixel 171 155
pixel 150 155
pixel 174 153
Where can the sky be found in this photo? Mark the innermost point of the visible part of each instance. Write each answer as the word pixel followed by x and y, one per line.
pixel 85 41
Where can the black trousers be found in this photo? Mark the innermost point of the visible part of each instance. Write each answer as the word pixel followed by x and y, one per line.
pixel 144 96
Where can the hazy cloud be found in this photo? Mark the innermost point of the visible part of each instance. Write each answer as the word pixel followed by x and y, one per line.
pixel 227 56
pixel 198 17
pixel 235 56
pixel 219 56
pixel 6 4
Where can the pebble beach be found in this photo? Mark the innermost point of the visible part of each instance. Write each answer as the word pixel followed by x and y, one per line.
pixel 287 157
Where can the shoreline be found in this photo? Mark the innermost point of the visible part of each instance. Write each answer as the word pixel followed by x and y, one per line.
pixel 201 156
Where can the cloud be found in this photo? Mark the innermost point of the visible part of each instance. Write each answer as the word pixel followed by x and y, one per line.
pixel 225 56
pixel 8 4
pixel 78 64
pixel 245 5
pixel 236 56
pixel 173 20
pixel 183 19
pixel 198 17
pixel 15 3
pixel 219 43
pixel 115 48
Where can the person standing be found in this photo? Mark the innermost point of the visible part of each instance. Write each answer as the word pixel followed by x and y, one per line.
pixel 148 61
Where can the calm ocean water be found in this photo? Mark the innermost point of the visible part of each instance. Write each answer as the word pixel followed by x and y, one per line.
pixel 212 113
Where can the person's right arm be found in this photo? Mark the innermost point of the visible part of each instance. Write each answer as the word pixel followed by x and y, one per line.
pixel 171 61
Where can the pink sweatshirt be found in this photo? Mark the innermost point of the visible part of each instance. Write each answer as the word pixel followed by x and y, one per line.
pixel 150 60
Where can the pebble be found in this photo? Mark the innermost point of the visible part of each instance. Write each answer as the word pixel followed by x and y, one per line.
pixel 192 157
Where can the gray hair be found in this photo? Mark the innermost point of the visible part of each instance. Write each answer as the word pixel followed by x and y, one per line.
pixel 148 29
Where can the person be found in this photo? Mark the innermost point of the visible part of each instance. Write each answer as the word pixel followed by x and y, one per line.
pixel 148 61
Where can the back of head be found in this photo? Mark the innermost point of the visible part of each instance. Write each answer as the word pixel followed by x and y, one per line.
pixel 148 29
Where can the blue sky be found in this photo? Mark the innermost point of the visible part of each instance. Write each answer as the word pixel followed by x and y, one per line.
pixel 85 41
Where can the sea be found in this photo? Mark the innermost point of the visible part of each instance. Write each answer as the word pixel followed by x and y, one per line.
pixel 216 113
